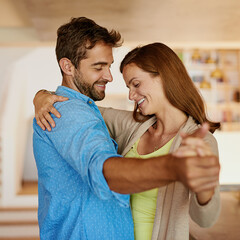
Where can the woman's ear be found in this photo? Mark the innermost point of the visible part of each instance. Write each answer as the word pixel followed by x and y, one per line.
pixel 67 66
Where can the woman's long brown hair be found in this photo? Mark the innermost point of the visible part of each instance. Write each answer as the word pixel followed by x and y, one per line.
pixel 159 59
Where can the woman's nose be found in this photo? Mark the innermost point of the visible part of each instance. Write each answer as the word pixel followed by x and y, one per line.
pixel 131 95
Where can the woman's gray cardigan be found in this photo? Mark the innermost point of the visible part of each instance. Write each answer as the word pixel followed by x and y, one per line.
pixel 174 202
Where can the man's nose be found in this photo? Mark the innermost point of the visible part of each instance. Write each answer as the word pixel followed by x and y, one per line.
pixel 108 75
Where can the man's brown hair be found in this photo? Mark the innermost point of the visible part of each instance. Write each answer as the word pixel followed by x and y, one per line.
pixel 79 35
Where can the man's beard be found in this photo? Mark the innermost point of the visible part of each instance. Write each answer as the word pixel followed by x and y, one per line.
pixel 87 89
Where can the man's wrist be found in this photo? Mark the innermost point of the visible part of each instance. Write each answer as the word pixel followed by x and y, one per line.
pixel 171 167
pixel 166 164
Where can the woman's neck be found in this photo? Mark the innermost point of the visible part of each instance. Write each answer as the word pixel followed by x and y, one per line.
pixel 169 122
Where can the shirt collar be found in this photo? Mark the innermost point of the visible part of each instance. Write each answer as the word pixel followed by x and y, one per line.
pixel 72 94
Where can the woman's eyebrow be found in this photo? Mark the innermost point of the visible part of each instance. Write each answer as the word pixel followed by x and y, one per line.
pixel 129 83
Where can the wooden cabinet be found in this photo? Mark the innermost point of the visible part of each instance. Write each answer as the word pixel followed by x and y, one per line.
pixel 216 73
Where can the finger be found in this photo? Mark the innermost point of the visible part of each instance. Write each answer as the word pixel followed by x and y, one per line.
pixel 205 180
pixel 62 99
pixel 45 123
pixel 207 173
pixel 39 123
pixel 57 98
pixel 49 119
pixel 194 141
pixel 204 183
pixel 200 132
pixel 207 186
pixel 191 150
pixel 195 174
pixel 202 148
pixel 183 134
pixel 55 112
pixel 204 162
pixel 185 152
pixel 202 152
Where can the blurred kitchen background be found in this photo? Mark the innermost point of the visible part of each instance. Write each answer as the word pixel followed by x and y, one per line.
pixel 205 35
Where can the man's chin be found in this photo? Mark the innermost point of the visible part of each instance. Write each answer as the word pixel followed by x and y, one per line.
pixel 99 97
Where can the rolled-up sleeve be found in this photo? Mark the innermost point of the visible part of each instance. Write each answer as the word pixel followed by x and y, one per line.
pixel 82 139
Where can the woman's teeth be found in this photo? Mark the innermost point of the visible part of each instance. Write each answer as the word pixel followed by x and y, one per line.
pixel 140 101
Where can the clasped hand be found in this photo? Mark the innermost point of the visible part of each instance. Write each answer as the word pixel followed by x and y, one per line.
pixel 197 167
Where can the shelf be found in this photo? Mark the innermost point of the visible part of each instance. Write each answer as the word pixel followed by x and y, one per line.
pixel 222 93
pixel 226 105
pixel 230 126
pixel 201 66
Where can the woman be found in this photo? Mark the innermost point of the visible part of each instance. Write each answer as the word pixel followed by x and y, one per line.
pixel 166 102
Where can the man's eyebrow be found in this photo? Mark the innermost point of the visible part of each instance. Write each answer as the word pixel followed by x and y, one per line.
pixel 101 63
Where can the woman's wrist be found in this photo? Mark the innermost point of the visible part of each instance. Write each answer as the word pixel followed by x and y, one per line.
pixel 39 94
pixel 204 197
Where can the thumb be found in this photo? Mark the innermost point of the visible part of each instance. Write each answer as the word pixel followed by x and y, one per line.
pixel 200 132
pixel 60 99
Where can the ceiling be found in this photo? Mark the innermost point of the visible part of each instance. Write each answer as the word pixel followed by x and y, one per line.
pixel 139 21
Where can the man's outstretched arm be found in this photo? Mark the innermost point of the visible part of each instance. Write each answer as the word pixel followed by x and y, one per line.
pixel 130 175
pixel 198 172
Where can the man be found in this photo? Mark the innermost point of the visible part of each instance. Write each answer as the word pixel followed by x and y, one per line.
pixel 83 182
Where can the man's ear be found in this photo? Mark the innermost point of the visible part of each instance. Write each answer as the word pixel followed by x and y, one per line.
pixel 67 66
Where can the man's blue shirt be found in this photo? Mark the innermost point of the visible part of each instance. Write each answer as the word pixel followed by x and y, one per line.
pixel 75 201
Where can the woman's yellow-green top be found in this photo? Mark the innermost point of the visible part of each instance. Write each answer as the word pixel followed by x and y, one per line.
pixel 144 204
